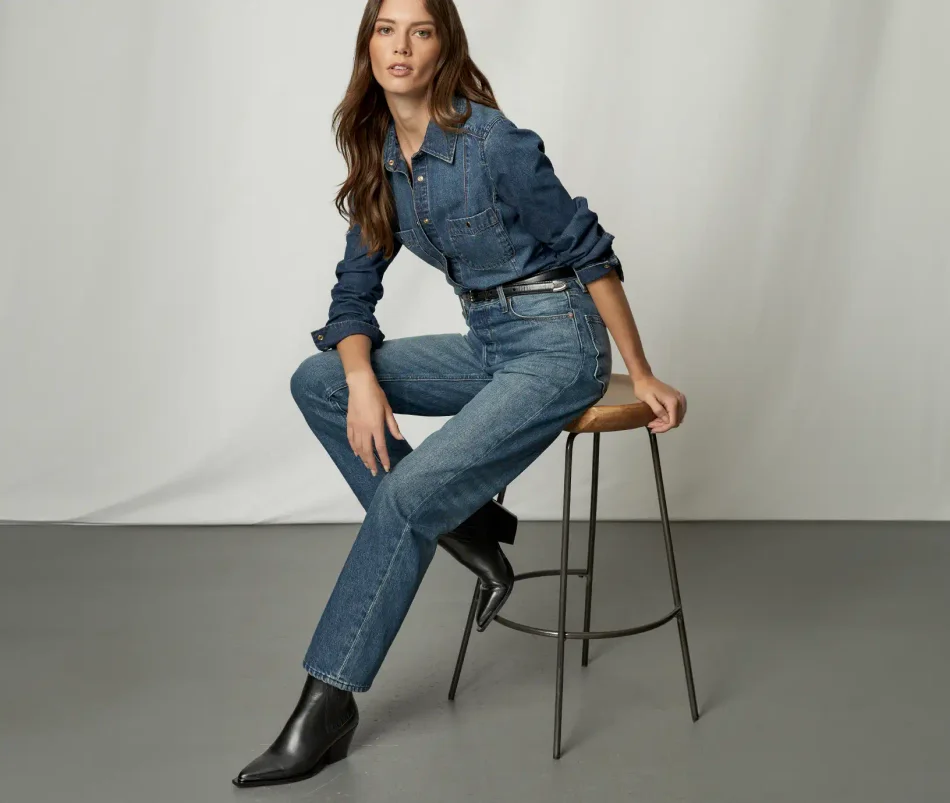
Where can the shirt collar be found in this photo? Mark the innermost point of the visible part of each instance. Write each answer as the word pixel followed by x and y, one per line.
pixel 437 142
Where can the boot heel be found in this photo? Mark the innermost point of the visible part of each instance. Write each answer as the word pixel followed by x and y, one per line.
pixel 339 748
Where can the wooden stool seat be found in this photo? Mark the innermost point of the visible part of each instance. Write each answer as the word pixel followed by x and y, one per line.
pixel 619 409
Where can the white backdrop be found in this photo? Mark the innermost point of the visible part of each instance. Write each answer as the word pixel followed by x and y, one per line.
pixel 776 175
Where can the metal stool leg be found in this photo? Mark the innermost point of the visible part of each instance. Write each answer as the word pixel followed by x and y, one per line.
pixel 590 545
pixel 674 582
pixel 562 606
pixel 469 622
pixel 465 637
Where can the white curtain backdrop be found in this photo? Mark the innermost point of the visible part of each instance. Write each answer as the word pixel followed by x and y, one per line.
pixel 776 174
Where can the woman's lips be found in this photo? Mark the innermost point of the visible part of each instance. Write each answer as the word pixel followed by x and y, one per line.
pixel 400 72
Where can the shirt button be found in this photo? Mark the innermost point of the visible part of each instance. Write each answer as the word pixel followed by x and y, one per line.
pixel 391 162
pixel 319 337
pixel 420 178
pixel 426 220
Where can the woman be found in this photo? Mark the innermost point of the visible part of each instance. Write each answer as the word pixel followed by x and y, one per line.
pixel 434 166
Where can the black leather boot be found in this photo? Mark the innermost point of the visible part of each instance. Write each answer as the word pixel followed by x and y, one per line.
pixel 475 545
pixel 318 733
pixel 484 557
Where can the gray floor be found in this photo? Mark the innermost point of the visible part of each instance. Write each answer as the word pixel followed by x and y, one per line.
pixel 150 664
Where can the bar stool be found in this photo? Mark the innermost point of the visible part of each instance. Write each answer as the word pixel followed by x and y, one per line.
pixel 618 410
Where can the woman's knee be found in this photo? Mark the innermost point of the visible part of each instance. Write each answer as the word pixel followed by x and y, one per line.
pixel 317 376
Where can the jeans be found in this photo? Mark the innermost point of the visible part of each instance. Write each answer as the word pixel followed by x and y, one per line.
pixel 527 365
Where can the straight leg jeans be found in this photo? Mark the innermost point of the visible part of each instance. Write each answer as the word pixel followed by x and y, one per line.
pixel 527 366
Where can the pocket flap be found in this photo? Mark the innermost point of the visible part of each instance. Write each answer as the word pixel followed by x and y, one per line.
pixel 474 224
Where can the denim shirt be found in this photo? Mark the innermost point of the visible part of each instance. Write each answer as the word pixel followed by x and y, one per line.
pixel 483 206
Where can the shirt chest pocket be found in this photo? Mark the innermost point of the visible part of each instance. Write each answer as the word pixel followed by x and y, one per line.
pixel 480 241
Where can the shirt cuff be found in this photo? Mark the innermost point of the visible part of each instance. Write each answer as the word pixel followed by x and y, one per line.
pixel 331 334
pixel 587 273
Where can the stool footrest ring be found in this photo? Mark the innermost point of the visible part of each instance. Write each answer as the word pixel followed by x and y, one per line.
pixel 580 634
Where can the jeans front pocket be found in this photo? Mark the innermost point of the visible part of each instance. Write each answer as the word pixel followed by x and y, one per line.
pixel 541 306
pixel 480 241
pixel 540 323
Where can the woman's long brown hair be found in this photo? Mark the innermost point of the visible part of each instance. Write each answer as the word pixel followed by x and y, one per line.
pixel 363 116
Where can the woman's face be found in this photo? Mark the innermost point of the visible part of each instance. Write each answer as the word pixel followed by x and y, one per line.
pixel 404 33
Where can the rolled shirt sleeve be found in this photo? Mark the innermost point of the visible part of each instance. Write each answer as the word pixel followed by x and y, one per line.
pixel 359 286
pixel 524 179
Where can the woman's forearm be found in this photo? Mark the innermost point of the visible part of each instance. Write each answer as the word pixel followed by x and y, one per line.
pixel 354 353
pixel 614 308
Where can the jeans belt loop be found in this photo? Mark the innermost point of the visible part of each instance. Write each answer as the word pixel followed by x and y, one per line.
pixel 501 296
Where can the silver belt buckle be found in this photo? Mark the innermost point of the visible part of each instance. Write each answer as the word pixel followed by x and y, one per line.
pixel 553 286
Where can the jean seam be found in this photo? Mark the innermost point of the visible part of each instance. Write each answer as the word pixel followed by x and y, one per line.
pixel 593 339
pixel 334 389
pixel 379 590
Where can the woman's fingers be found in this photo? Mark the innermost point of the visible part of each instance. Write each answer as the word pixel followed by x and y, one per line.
pixel 667 404
pixel 671 402
pixel 363 444
pixel 380 437
pixel 393 424
pixel 369 457
pixel 364 450
pixel 658 409
pixel 669 410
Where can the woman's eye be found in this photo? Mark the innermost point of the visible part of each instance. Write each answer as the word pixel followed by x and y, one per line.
pixel 384 28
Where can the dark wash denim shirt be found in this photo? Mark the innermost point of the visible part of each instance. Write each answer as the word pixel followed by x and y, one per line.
pixel 483 206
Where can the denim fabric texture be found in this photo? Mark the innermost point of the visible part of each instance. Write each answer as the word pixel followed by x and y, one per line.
pixel 484 206
pixel 526 366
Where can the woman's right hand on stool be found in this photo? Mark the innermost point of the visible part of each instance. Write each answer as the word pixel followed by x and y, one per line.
pixel 367 415
pixel 667 403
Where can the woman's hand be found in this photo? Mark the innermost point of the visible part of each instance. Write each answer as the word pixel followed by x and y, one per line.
pixel 368 413
pixel 667 403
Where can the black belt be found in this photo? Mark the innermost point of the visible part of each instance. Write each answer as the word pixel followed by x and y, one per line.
pixel 522 285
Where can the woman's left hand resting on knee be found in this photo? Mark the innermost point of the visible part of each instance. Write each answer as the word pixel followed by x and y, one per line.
pixel 667 403
pixel 368 412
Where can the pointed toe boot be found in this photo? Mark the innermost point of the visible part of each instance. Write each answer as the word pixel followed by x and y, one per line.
pixel 484 557
pixel 318 733
pixel 492 595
